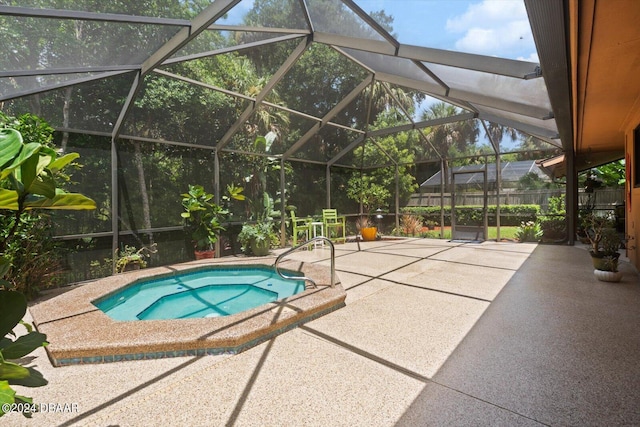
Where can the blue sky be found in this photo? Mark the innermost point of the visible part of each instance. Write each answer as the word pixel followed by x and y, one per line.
pixel 488 27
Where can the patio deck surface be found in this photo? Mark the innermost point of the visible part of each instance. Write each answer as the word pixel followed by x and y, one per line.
pixel 433 333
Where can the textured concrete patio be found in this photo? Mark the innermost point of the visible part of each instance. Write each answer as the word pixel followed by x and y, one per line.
pixel 433 333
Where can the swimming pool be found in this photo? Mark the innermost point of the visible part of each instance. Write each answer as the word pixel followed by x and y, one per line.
pixel 81 333
pixel 211 292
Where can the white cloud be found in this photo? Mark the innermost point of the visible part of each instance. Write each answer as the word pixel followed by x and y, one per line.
pixel 533 57
pixel 494 27
pixel 488 12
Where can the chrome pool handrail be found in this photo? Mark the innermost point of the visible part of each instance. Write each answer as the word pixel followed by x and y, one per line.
pixel 308 242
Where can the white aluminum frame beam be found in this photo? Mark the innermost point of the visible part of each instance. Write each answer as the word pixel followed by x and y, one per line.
pixel 470 61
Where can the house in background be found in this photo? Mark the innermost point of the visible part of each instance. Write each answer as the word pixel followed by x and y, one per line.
pixel 511 173
pixel 521 182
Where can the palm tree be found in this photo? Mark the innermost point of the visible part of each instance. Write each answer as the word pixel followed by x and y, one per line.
pixel 384 97
pixel 533 148
pixel 458 136
pixel 498 132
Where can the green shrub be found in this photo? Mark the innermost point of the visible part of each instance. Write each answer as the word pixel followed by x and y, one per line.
pixel 557 205
pixel 36 259
pixel 515 214
pixel 553 227
pixel 510 215
pixel 469 215
pixel 529 232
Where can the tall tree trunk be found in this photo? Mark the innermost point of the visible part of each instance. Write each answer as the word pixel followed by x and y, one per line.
pixel 65 118
pixel 34 102
pixel 146 212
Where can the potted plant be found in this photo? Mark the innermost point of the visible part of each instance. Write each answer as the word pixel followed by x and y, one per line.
pixel 370 195
pixel 605 243
pixel 131 258
pixel 364 223
pixel 256 238
pixel 202 219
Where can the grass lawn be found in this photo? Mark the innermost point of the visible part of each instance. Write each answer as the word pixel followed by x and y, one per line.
pixel 506 232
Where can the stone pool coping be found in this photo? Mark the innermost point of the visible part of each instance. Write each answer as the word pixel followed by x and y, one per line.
pixel 78 332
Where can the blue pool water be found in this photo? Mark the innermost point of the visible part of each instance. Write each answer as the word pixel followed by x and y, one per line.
pixel 211 292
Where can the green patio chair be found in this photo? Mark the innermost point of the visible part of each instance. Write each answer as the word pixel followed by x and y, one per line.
pixel 334 224
pixel 299 225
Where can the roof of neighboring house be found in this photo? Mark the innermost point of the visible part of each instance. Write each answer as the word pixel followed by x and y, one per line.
pixel 510 171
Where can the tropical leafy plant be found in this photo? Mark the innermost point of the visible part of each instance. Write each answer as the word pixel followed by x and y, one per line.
pixel 28 173
pixel 203 217
pixel 35 257
pixel 30 170
pixel 529 232
pixel 611 174
pixel 13 307
pixel 253 236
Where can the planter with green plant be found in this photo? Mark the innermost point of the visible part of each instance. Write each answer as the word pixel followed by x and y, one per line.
pixel 203 220
pixel 365 228
pixel 370 195
pixel 132 258
pixel 605 243
pixel 256 238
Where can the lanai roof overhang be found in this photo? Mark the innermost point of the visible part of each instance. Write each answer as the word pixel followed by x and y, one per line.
pixel 504 91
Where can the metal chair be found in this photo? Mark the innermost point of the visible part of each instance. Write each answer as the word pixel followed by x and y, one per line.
pixel 333 222
pixel 299 225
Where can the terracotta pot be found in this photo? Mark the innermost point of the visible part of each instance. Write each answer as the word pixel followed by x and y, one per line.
pixel 205 254
pixel 369 233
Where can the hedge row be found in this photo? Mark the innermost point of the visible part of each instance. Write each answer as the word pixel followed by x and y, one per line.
pixel 472 215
